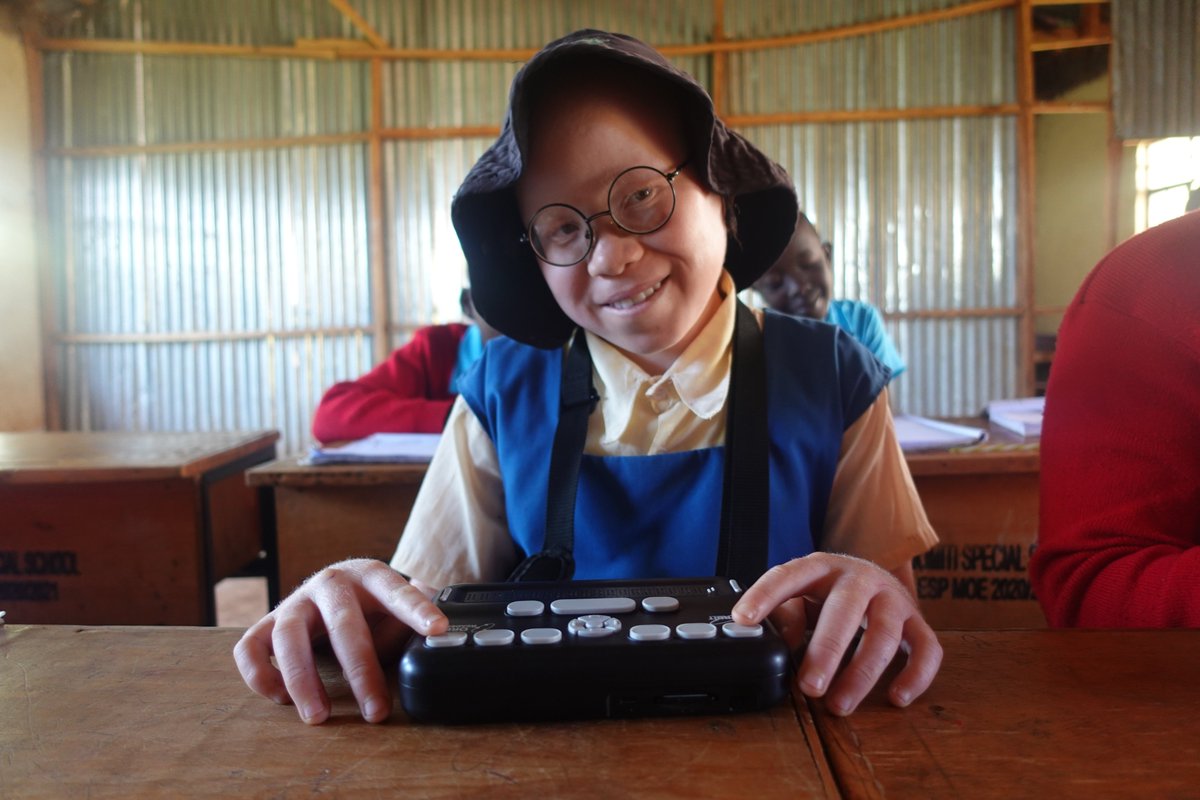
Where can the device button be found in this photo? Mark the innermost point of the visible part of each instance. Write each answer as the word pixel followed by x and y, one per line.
pixel 448 639
pixel 649 633
pixel 494 637
pixel 737 631
pixel 594 626
pixel 696 630
pixel 593 605
pixel 525 608
pixel 660 605
pixel 541 636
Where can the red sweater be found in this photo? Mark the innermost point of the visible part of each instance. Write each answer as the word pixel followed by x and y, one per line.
pixel 410 392
pixel 1119 534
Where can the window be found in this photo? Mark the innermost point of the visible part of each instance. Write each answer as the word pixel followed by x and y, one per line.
pixel 1168 170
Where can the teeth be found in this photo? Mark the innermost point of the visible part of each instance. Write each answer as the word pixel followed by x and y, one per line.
pixel 630 302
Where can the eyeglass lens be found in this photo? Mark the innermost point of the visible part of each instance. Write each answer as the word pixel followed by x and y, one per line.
pixel 640 200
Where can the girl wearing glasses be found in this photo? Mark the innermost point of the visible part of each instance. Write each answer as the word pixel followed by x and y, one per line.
pixel 617 216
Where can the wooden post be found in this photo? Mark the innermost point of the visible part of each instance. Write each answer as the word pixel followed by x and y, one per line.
pixel 380 306
pixel 51 410
pixel 1026 194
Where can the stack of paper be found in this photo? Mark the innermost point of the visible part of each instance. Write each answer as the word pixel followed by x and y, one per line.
pixel 921 433
pixel 1022 416
pixel 379 448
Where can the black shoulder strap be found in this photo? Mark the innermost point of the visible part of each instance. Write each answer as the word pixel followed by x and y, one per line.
pixel 745 501
pixel 746 498
pixel 577 399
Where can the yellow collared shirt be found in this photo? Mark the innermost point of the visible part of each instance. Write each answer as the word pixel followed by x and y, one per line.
pixel 458 530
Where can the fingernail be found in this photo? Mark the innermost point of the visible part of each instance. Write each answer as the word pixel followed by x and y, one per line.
pixel 309 713
pixel 815 683
pixel 903 697
pixel 839 706
pixel 372 710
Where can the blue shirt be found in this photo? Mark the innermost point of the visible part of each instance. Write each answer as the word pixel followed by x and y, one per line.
pixel 864 322
pixel 470 348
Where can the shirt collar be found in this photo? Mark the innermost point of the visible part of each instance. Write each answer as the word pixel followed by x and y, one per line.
pixel 700 376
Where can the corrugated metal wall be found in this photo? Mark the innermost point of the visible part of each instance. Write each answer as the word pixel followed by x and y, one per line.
pixel 219 287
pixel 1156 64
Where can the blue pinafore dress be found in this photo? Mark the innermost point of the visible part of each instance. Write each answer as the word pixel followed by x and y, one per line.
pixel 658 516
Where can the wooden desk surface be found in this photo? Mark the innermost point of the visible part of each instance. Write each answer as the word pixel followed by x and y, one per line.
pixel 92 456
pixel 1034 714
pixel 119 712
pixel 1003 452
pixel 290 471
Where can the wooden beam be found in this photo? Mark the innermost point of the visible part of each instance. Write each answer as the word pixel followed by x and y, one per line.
pixel 337 49
pixel 212 145
pixel 1056 107
pixel 870 115
pixel 1044 44
pixel 846 32
pixel 720 76
pixel 360 24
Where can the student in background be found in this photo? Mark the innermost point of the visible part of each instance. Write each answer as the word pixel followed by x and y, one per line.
pixel 606 214
pixel 800 282
pixel 1119 529
pixel 412 391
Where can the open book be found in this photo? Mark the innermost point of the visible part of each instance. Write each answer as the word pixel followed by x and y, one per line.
pixel 921 433
pixel 378 448
pixel 1022 416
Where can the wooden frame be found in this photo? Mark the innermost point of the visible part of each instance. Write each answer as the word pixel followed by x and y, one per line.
pixel 375 49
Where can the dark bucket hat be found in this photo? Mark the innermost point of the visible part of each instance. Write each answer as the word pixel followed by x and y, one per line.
pixel 506 283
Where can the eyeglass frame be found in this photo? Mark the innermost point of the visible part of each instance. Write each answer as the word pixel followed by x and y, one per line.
pixel 527 236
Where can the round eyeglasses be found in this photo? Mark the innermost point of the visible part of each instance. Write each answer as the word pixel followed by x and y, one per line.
pixel 640 200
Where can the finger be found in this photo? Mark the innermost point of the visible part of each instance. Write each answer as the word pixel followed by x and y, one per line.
pixel 252 654
pixel 791 621
pixel 389 635
pixel 291 640
pixel 880 641
pixel 924 660
pixel 840 620
pixel 353 645
pixel 779 584
pixel 404 601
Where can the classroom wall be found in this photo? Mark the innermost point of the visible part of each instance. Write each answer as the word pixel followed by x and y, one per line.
pixel 1071 220
pixel 21 399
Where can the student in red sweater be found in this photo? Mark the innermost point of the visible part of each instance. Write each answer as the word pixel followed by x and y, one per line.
pixel 412 391
pixel 1119 535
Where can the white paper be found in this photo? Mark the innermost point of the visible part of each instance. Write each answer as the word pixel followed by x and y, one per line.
pixel 921 433
pixel 1022 416
pixel 379 448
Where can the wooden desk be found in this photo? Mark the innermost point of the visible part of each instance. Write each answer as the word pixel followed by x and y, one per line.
pixel 1059 714
pixel 983 503
pixel 125 528
pixel 329 513
pixel 120 712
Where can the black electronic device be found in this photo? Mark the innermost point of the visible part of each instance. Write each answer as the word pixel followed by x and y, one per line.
pixel 574 649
